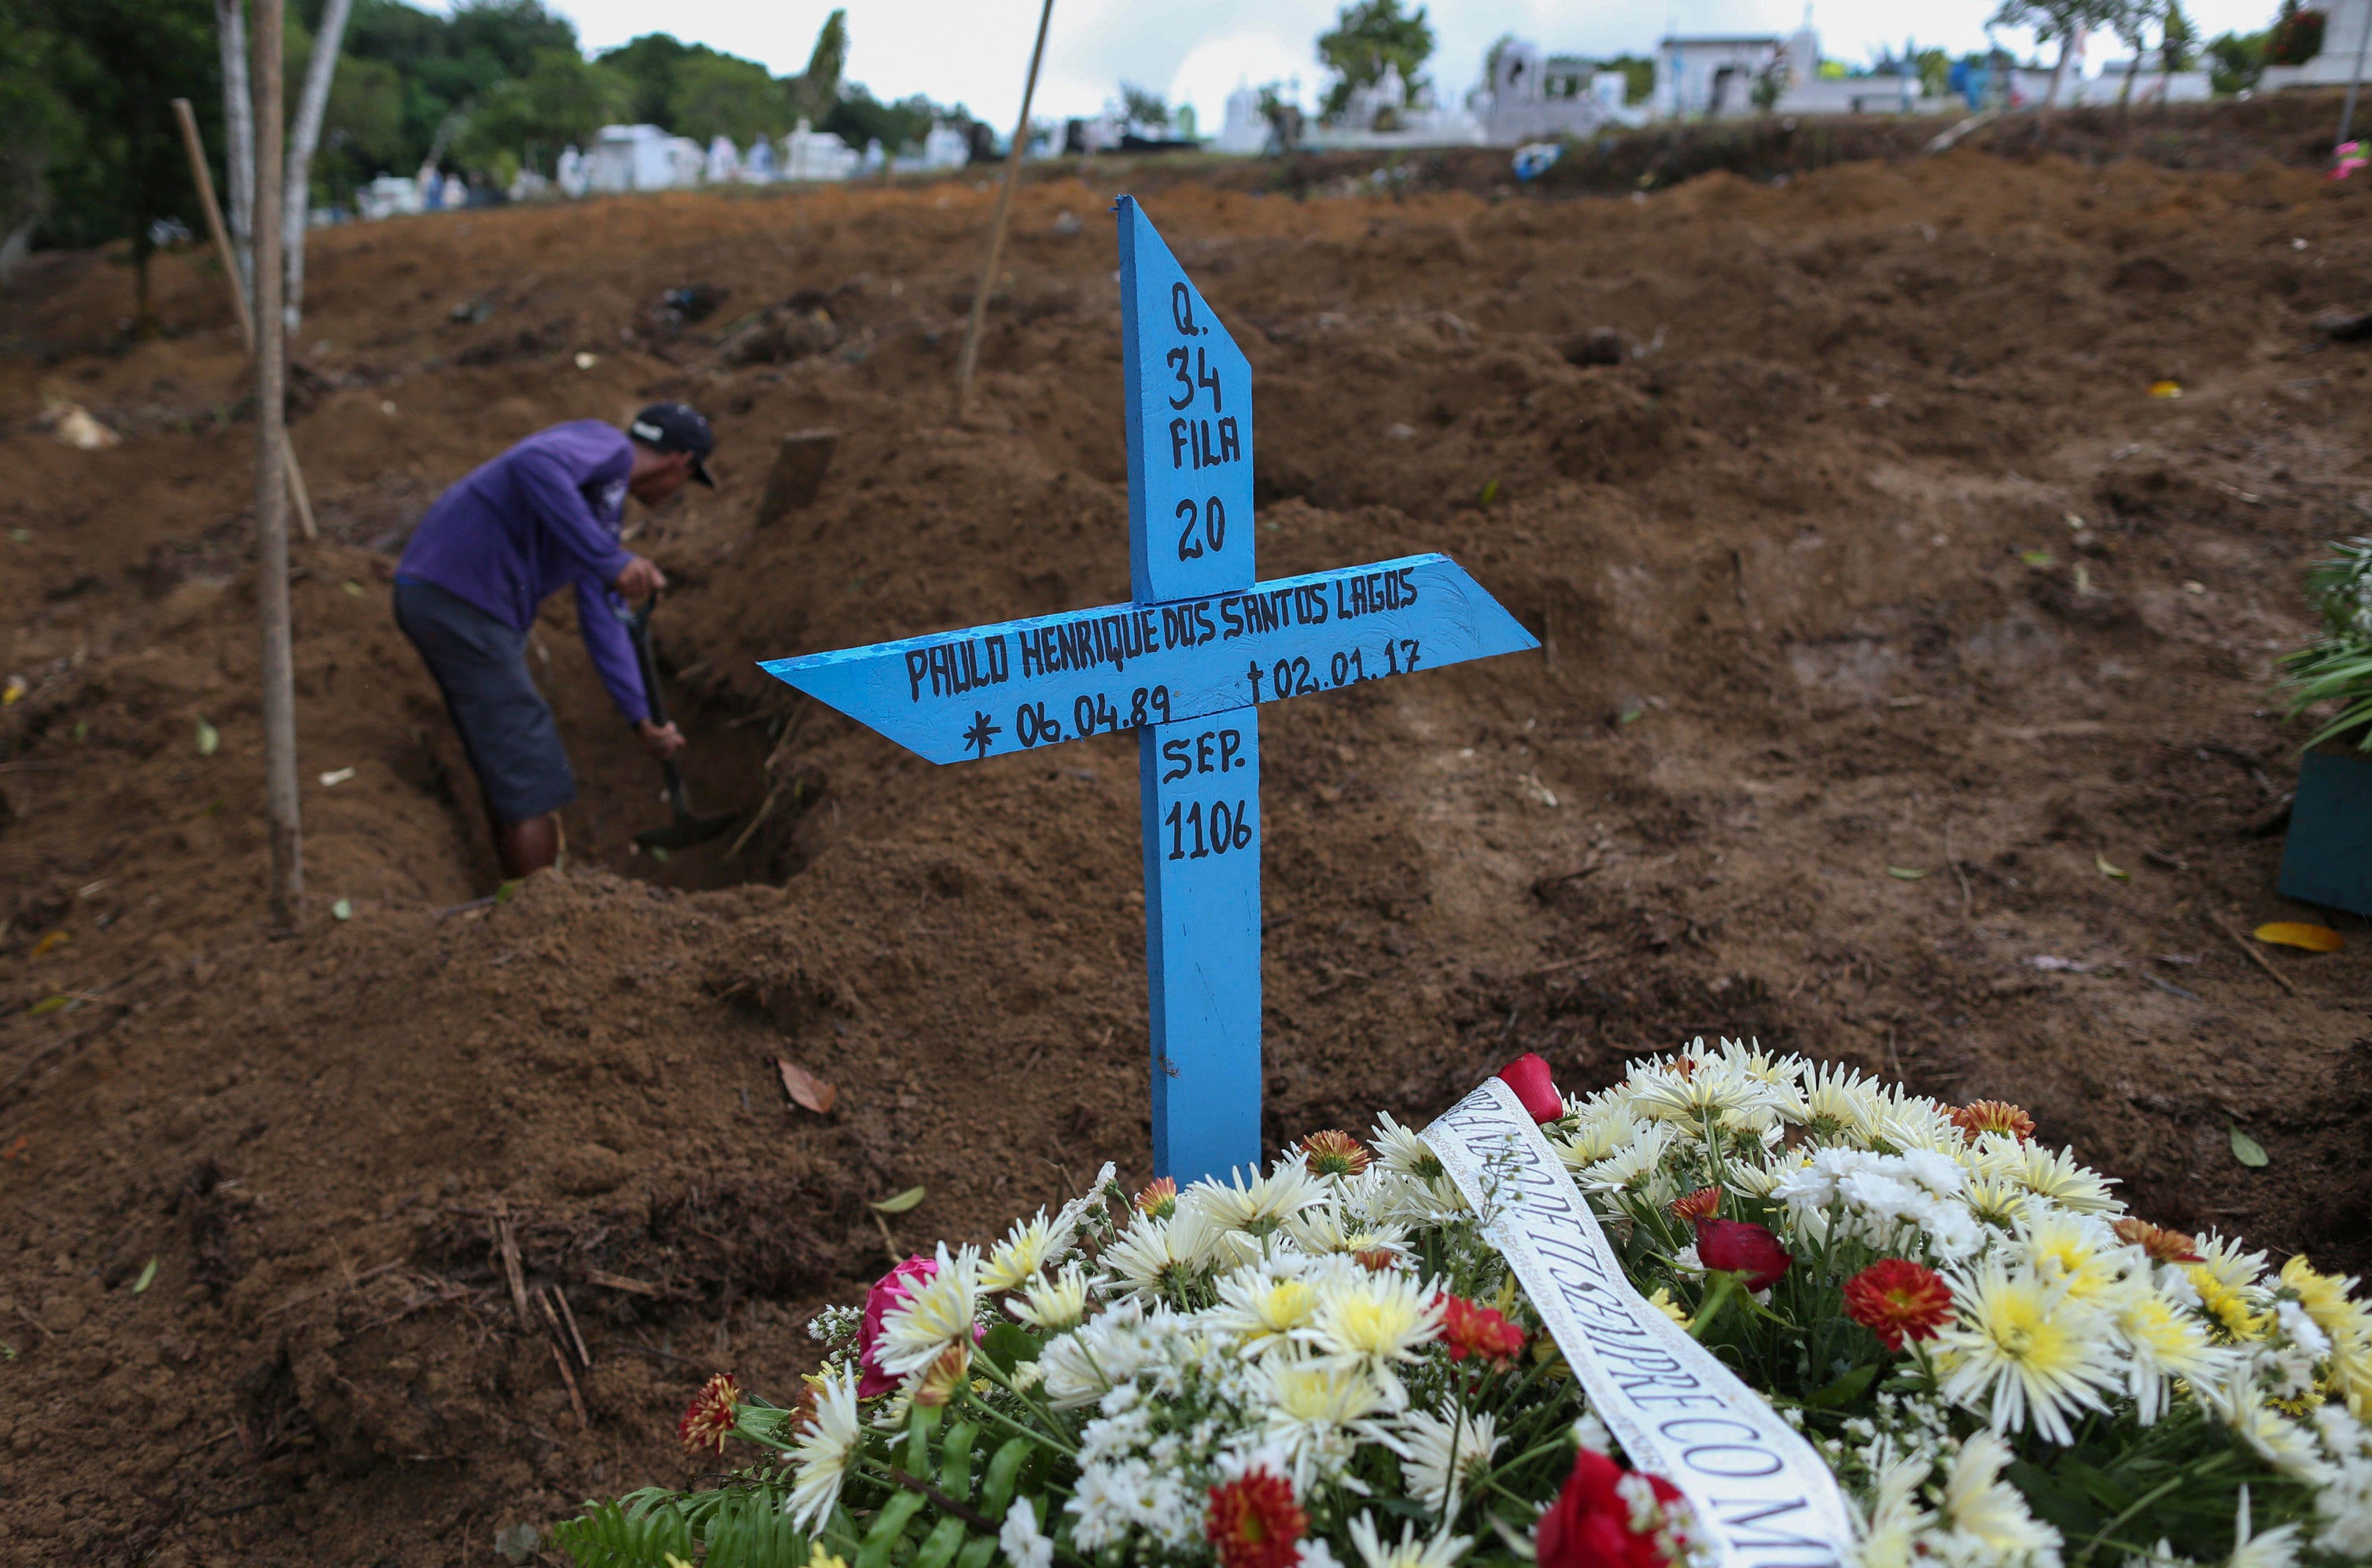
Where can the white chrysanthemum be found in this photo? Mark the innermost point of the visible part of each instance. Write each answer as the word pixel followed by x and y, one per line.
pixel 938 1312
pixel 2227 1262
pixel 1262 1207
pixel 1979 1502
pixel 2275 1549
pixel 1411 1551
pixel 1891 1534
pixel 2077 1252
pixel 1154 1257
pixel 826 1449
pixel 1374 1321
pixel 1078 1369
pixel 1440 1457
pixel 1019 1537
pixel 2279 1441
pixel 1710 1087
pixel 1755 1181
pixel 1088 1203
pixel 1325 1228
pixel 2162 1341
pixel 1027 1248
pixel 1053 1304
pixel 1605 1129
pixel 1995 1199
pixel 1262 1308
pixel 1838 1101
pixel 1401 1152
pixel 2343 1505
pixel 1316 1414
pixel 1914 1123
pixel 2023 1352
pixel 1631 1167
pixel 2065 1180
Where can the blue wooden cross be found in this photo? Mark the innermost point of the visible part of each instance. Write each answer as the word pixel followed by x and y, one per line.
pixel 1186 665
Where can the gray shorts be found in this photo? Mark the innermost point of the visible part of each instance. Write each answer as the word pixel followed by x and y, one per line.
pixel 480 663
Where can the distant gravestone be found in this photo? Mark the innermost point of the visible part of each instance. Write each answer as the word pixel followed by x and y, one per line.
pixel 1186 665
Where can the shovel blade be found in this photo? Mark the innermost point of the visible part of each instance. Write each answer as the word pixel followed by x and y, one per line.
pixel 686 831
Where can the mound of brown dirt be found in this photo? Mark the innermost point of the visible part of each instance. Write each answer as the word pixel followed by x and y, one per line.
pixel 1881 607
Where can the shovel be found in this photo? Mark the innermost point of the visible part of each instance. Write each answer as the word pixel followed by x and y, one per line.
pixel 686 829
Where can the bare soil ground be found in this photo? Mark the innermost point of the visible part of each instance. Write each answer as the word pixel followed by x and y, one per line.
pixel 1857 547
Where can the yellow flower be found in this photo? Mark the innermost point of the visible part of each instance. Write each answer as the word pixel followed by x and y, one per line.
pixel 2066 1251
pixel 2021 1348
pixel 1662 1300
pixel 2226 1303
pixel 2347 1321
pixel 1261 1309
pixel 818 1559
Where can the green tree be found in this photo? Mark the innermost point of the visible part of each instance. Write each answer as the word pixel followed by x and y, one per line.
pixel 516 35
pixel 1368 35
pixel 118 64
pixel 2235 60
pixel 649 64
pixel 1143 107
pixel 2060 19
pixel 527 120
pixel 721 94
pixel 363 133
pixel 38 127
pixel 2180 42
pixel 816 91
pixel 858 117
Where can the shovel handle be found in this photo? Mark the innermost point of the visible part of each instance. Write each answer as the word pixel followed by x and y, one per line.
pixel 638 630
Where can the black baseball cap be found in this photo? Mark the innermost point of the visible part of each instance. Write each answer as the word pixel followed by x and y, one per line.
pixel 677 428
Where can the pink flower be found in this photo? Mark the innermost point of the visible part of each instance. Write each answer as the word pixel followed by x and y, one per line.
pixel 1529 1076
pixel 890 1291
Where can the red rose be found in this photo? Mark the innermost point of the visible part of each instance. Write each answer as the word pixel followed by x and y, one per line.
pixel 1529 1076
pixel 1589 1524
pixel 1741 1246
pixel 890 1291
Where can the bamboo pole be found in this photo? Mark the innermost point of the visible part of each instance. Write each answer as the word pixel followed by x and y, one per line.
pixel 271 483
pixel 970 360
pixel 205 181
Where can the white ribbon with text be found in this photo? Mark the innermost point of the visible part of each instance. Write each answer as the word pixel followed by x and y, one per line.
pixel 1762 1497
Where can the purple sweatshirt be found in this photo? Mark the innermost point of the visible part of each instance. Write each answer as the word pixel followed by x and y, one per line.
pixel 541 516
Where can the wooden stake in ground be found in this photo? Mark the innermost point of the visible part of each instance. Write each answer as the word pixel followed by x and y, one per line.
pixel 271 483
pixel 971 359
pixel 204 181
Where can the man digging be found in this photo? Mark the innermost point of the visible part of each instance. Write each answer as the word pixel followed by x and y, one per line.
pixel 543 515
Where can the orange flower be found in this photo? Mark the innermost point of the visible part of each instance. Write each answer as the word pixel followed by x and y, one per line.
pixel 1253 1522
pixel 710 1416
pixel 1897 1299
pixel 1375 1259
pixel 1159 1198
pixel 1701 1204
pixel 2165 1246
pixel 1468 1330
pixel 1335 1154
pixel 1980 1115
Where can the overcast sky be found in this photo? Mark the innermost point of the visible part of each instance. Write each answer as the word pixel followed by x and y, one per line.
pixel 976 51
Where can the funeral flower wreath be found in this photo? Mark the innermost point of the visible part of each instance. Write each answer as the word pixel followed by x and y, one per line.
pixel 1331 1365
